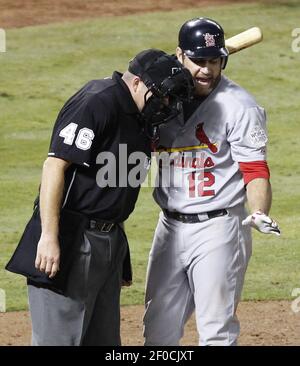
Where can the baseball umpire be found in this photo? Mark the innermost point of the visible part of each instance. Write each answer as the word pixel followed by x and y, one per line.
pixel 202 243
pixel 100 118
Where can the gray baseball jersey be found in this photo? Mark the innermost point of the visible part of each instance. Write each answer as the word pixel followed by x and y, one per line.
pixel 201 266
pixel 227 128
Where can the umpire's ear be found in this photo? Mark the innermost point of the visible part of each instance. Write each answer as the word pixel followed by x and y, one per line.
pixel 138 90
pixel 179 54
pixel 135 83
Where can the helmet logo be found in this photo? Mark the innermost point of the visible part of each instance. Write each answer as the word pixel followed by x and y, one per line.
pixel 209 40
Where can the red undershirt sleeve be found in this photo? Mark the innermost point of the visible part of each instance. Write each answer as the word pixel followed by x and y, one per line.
pixel 254 169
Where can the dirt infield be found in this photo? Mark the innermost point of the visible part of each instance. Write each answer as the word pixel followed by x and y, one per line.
pixel 262 323
pixel 270 323
pixel 19 13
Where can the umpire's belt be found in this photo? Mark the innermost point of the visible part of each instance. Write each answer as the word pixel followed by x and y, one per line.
pixel 193 218
pixel 100 225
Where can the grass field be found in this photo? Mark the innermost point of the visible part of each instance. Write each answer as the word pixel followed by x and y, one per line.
pixel 44 65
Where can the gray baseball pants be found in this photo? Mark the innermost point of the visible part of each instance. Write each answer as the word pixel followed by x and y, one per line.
pixel 89 314
pixel 201 267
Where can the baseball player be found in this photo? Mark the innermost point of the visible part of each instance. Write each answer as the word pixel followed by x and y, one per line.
pixel 99 119
pixel 217 160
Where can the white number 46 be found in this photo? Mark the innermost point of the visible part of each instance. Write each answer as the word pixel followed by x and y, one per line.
pixel 84 138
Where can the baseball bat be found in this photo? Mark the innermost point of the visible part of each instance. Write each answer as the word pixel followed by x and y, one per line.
pixel 243 40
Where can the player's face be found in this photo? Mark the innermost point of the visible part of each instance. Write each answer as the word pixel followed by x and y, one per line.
pixel 206 72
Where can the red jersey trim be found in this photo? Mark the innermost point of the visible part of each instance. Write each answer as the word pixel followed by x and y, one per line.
pixel 254 169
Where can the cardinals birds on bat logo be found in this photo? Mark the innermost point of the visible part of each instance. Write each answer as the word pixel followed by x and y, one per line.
pixel 203 139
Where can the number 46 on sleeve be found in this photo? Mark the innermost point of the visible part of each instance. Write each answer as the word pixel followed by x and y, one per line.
pixel 84 138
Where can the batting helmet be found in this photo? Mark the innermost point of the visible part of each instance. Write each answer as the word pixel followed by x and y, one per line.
pixel 203 38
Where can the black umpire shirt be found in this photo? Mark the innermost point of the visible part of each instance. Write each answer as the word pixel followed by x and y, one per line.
pixel 101 121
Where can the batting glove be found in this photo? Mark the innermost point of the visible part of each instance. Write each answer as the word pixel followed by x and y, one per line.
pixel 261 222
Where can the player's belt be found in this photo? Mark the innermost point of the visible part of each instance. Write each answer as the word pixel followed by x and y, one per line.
pixel 100 225
pixel 193 218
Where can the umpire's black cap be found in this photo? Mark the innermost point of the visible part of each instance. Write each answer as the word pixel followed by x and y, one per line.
pixel 153 66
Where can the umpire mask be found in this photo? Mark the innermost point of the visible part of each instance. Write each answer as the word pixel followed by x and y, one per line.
pixel 168 81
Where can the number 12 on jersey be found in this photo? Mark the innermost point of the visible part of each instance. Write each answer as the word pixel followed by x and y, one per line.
pixel 199 182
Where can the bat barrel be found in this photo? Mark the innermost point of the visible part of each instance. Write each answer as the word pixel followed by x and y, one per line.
pixel 243 40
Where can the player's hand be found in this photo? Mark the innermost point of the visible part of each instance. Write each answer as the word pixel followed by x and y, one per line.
pixel 261 222
pixel 48 255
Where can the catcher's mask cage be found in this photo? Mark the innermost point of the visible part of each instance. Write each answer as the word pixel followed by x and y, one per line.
pixel 203 38
pixel 168 81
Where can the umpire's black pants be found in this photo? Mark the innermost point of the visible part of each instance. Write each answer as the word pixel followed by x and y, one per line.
pixel 89 314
